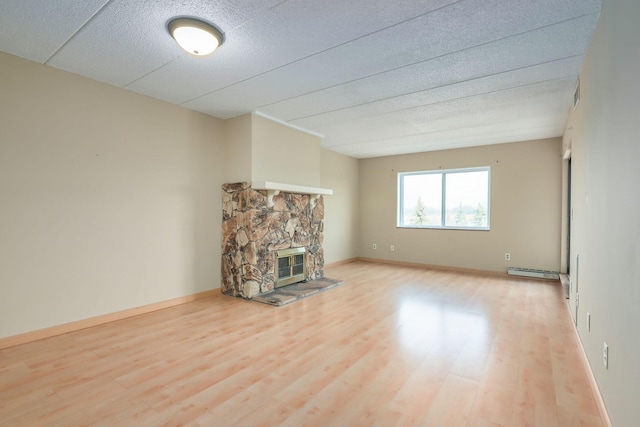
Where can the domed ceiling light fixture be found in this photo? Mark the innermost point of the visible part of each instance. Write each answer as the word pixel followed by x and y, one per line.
pixel 195 36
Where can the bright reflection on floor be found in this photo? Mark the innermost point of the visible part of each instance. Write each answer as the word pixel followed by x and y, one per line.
pixel 431 325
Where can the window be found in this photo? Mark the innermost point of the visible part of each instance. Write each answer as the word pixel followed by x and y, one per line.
pixel 456 198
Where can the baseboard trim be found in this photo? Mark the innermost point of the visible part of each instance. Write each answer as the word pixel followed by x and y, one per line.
pixel 52 331
pixel 342 262
pixel 602 409
pixel 437 267
pixel 565 281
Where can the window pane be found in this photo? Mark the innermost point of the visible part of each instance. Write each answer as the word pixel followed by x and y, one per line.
pixel 467 196
pixel 422 200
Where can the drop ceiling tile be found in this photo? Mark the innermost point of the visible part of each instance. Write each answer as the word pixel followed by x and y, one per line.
pixel 283 35
pixel 499 107
pixel 413 42
pixel 128 39
pixel 375 77
pixel 35 29
pixel 459 90
pixel 535 47
pixel 514 131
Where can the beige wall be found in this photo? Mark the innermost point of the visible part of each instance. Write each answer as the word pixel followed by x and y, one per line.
pixel 111 200
pixel 340 173
pixel 604 132
pixel 108 199
pixel 238 149
pixel 525 209
pixel 283 154
pixel 259 149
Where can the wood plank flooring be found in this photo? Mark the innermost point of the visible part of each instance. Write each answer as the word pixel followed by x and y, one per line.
pixel 394 346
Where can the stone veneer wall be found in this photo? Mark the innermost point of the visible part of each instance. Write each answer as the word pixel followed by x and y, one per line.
pixel 256 223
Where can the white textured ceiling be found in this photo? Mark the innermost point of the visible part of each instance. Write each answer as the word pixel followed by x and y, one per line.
pixel 372 77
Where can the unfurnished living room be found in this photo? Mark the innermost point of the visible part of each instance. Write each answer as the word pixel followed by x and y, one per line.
pixel 305 213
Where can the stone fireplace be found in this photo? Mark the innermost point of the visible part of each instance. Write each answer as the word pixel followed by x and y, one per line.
pixel 257 226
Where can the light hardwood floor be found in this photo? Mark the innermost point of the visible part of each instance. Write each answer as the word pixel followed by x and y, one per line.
pixel 394 346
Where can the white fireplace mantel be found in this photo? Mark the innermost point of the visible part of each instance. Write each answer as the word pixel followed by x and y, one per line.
pixel 291 188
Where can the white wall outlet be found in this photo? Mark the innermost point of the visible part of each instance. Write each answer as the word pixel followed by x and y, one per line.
pixel 588 321
pixel 393 248
pixel 374 246
pixel 605 355
pixel 507 257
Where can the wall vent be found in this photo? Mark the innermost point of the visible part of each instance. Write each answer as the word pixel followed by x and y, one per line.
pixel 530 272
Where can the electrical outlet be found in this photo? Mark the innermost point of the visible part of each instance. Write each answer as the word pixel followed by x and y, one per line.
pixel 507 257
pixel 605 355
pixel 588 321
pixel 374 246
pixel 393 248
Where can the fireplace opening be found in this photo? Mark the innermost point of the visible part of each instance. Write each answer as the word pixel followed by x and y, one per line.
pixel 290 266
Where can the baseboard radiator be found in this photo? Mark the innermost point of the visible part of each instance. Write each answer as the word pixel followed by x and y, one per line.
pixel 530 272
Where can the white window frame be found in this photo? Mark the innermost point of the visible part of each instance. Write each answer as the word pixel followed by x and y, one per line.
pixel 443 173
